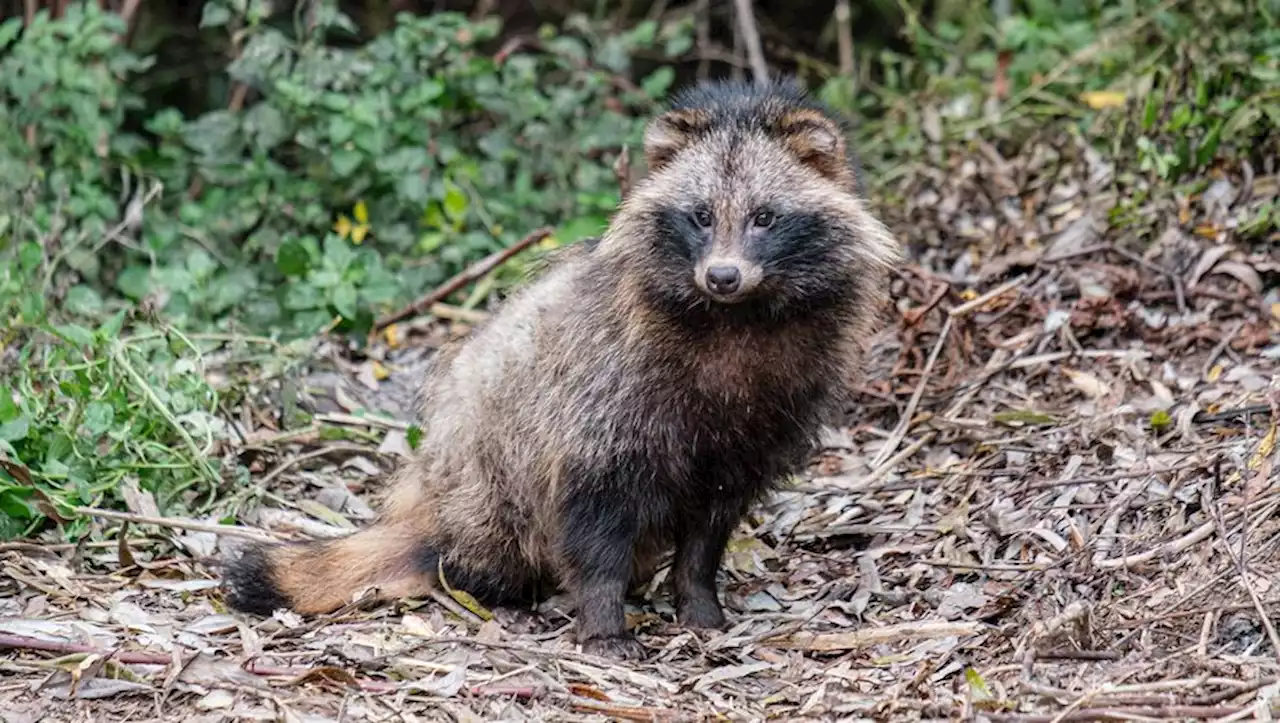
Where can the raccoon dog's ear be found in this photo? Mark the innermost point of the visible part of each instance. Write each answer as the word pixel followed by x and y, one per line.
pixel 817 142
pixel 669 133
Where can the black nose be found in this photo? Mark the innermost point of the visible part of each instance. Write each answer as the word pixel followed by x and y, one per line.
pixel 724 279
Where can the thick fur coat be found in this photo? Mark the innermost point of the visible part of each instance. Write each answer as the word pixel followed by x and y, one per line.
pixel 642 394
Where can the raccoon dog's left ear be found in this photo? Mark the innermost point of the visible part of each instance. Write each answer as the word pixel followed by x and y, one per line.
pixel 669 133
pixel 817 142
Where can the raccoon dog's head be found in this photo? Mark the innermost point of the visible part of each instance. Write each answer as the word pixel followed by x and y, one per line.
pixel 751 202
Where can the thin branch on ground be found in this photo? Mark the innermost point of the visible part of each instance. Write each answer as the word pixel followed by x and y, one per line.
pixel 472 273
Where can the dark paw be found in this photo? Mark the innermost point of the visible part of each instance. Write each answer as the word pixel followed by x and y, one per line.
pixel 700 613
pixel 618 648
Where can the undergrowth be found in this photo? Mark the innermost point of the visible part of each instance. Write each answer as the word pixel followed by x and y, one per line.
pixel 343 178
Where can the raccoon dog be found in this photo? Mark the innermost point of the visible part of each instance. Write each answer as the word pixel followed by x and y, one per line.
pixel 641 395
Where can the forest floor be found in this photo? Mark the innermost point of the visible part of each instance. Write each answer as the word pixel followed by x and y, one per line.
pixel 1056 500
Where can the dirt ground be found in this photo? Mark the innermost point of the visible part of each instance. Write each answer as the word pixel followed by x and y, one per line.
pixel 1056 500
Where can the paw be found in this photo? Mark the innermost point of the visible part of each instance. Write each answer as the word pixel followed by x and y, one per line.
pixel 700 612
pixel 622 647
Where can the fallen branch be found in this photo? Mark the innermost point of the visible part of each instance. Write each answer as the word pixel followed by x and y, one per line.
pixel 473 272
pixel 21 642
pixel 866 637
pixel 623 712
pixel 180 523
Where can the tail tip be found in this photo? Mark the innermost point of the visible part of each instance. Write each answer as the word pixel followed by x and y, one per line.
pixel 249 585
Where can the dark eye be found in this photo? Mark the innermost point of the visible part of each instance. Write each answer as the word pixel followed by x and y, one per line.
pixel 764 219
pixel 702 217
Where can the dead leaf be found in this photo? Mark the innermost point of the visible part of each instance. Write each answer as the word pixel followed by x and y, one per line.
pixel 138 500
pixel 1087 383
pixel 729 672
pixel 1242 272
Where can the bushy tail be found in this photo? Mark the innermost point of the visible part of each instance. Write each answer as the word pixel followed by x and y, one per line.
pixel 323 575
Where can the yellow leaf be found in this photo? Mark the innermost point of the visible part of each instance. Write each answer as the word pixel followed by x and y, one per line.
pixel 1214 373
pixel 343 226
pixel 379 371
pixel 1265 447
pixel 969 294
pixel 362 212
pixel 393 336
pixel 358 233
pixel 1099 99
pixel 462 597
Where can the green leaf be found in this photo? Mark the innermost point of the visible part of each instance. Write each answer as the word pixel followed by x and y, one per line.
pixel 292 258
pixel 110 328
pixel 580 228
pixel 266 125
pixel 345 162
pixel 659 81
pixel 215 15
pixel 98 417
pixel 9 30
pixel 1160 420
pixel 74 334
pixel 644 32
pixel 1150 112
pixel 1209 145
pixel 16 429
pixel 344 300
pixel 455 201
pixel 134 282
pixel 200 264
pixel 341 128
pixel 9 409
pixel 83 300
pixel 412 187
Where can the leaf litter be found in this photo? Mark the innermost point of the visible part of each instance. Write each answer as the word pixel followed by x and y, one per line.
pixel 1055 499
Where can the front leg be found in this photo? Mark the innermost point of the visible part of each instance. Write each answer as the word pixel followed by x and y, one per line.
pixel 699 550
pixel 597 537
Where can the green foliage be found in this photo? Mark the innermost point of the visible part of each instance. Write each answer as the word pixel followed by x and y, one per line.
pixel 92 413
pixel 1164 87
pixel 447 153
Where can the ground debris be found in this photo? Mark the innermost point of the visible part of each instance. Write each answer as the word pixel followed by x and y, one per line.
pixel 1055 499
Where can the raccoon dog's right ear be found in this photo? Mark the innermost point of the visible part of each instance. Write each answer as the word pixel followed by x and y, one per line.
pixel 669 133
